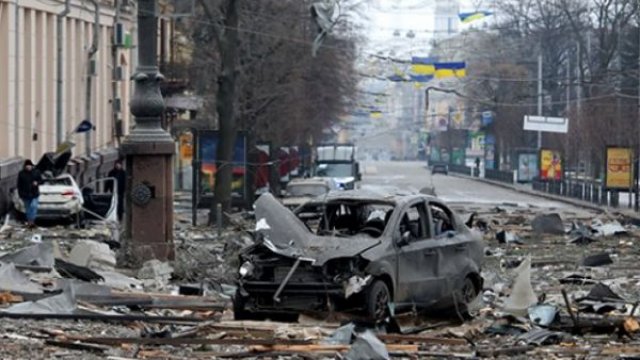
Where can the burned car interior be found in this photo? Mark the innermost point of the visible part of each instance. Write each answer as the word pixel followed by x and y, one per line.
pixel 357 252
pixel 347 218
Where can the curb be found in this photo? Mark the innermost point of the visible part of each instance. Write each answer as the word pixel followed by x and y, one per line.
pixel 562 199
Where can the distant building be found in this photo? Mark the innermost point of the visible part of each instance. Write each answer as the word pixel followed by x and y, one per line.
pixel 446 18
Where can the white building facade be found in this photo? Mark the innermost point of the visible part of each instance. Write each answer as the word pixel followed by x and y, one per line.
pixel 34 114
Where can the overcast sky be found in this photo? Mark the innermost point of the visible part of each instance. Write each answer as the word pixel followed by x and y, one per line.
pixel 386 16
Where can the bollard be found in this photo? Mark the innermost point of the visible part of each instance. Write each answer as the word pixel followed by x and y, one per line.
pixel 219 219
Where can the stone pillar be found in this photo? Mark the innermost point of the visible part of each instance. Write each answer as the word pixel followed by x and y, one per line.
pixel 149 154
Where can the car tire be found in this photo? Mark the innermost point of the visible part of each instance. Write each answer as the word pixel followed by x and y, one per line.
pixel 468 293
pixel 239 311
pixel 378 299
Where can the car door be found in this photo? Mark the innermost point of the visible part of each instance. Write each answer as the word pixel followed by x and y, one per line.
pixel 453 248
pixel 418 258
pixel 99 203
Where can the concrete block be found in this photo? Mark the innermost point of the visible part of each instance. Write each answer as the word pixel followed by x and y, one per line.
pixel 155 270
pixel 93 254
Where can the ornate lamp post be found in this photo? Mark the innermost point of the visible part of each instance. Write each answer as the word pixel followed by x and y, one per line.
pixel 149 151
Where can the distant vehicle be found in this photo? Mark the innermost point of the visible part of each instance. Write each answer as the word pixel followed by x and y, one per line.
pixel 358 251
pixel 62 199
pixel 338 162
pixel 299 191
pixel 440 168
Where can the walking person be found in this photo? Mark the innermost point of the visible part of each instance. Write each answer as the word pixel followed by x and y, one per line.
pixel 29 181
pixel 120 175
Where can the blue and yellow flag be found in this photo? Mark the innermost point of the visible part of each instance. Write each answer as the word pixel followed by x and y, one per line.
pixel 468 17
pixel 450 69
pixel 422 65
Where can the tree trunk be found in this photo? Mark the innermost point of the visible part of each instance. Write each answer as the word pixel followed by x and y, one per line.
pixel 225 107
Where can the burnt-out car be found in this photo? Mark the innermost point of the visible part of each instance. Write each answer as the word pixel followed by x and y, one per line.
pixel 358 251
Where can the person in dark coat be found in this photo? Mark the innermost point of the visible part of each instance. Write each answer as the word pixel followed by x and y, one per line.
pixel 29 181
pixel 120 175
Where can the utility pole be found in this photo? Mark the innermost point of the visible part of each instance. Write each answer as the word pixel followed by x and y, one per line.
pixel 540 96
pixel 637 162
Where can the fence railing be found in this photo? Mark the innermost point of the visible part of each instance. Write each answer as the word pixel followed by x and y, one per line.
pixel 499 175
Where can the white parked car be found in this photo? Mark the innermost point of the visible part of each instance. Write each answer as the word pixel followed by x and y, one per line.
pixel 62 199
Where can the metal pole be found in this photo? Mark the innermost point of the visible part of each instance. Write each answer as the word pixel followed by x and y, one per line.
pixel 540 96
pixel 59 69
pixel 95 44
pixel 637 163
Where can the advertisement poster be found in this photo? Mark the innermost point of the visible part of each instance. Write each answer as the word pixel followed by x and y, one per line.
pixel 527 167
pixel 619 173
pixel 262 170
pixel 186 147
pixel 489 151
pixel 458 156
pixel 550 165
pixel 208 148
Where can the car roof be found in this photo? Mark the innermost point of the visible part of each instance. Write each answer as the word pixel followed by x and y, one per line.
pixel 396 198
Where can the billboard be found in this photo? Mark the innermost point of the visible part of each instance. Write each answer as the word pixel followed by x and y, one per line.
pixel 527 167
pixel 619 174
pixel 550 165
pixel 207 151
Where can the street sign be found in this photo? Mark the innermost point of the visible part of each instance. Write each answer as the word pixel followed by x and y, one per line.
pixel 546 124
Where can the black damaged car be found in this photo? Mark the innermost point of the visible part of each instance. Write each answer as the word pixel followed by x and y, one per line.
pixel 360 252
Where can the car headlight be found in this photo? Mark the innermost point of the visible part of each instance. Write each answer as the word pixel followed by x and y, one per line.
pixel 246 269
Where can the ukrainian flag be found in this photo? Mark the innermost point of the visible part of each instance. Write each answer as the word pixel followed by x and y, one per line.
pixel 450 69
pixel 421 78
pixel 468 17
pixel 422 66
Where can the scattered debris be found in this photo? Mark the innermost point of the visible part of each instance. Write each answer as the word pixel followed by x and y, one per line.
pixel 609 229
pixel 367 346
pixel 93 254
pixel 505 237
pixel 541 337
pixel 522 295
pixel 155 272
pixel 597 260
pixel 543 315
pixel 548 224
pixel 14 280
pixel 34 256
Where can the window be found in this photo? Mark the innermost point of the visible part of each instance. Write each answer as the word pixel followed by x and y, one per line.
pixel 414 220
pixel 442 219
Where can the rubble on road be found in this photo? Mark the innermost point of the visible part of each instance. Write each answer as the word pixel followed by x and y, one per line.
pixel 543 297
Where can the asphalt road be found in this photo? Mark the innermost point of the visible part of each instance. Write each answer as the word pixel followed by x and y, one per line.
pixel 452 189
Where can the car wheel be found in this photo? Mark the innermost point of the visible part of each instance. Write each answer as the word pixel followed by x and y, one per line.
pixel 378 300
pixel 468 293
pixel 239 311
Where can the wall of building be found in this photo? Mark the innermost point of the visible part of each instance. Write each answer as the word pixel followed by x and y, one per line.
pixel 28 77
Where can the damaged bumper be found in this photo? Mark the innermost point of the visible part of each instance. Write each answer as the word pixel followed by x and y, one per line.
pixel 274 284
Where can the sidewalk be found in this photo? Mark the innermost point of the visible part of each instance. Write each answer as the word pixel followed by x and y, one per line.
pixel 526 189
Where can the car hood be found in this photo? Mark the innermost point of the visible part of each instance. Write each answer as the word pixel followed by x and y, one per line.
pixel 283 233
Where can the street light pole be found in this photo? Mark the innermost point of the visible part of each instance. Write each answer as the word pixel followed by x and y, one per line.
pixel 539 97
pixel 149 150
